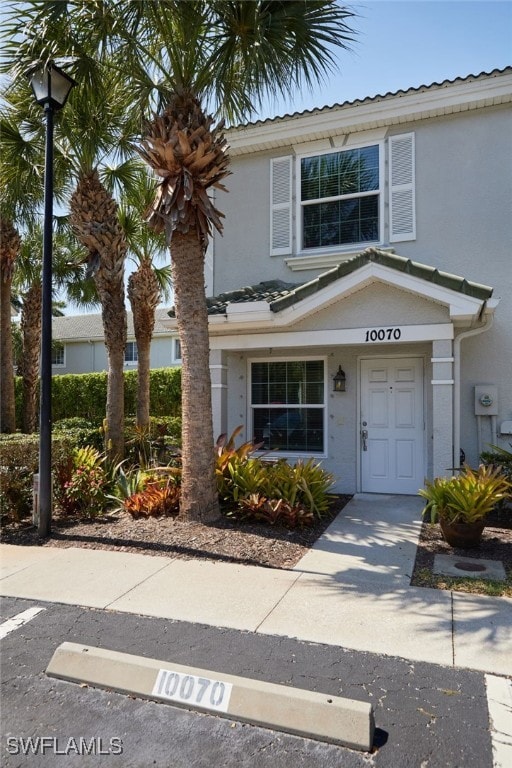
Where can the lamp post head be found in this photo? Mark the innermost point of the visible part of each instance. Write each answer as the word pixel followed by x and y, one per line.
pixel 50 84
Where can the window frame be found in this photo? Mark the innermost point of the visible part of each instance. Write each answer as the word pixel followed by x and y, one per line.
pixel 175 343
pixel 324 406
pixel 380 192
pixel 133 343
pixel 63 364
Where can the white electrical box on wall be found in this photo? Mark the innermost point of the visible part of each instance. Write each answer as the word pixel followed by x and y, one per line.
pixel 486 400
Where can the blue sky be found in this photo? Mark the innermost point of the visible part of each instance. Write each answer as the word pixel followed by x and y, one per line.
pixel 408 43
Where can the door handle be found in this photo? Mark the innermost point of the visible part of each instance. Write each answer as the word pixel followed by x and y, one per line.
pixel 364 438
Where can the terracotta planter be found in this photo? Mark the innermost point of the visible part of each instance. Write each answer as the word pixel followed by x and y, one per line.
pixel 462 535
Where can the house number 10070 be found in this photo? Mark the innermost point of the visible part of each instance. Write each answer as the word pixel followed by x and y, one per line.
pixel 383 334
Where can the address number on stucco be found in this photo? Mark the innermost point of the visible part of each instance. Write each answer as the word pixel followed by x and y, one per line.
pixel 383 334
pixel 193 690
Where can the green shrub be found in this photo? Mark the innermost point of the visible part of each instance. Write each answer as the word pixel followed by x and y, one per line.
pixel 499 457
pixel 19 461
pixel 153 446
pixel 79 432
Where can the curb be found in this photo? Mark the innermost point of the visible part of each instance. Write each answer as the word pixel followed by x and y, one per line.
pixel 333 719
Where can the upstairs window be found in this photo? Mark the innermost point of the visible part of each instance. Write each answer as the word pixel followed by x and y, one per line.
pixel 340 198
pixel 130 353
pixel 288 405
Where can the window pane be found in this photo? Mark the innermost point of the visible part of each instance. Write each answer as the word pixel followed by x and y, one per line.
pixel 288 429
pixel 341 222
pixel 259 393
pixel 130 352
pixel 283 385
pixel 310 179
pixel 57 354
pixel 336 175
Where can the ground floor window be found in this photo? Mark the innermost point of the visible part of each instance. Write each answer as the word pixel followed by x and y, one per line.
pixel 288 404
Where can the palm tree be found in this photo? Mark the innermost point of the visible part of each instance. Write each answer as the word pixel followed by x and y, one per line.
pixel 227 54
pixel 23 156
pixel 19 202
pixel 147 285
pixel 9 249
pixel 183 59
pixel 68 276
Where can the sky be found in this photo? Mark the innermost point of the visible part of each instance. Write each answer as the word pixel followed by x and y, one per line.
pixel 408 43
pixel 404 44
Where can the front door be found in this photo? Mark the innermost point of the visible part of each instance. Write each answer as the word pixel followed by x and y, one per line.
pixel 392 425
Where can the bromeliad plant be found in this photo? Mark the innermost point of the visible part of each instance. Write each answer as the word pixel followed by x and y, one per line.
pixel 85 491
pixel 250 486
pixel 465 498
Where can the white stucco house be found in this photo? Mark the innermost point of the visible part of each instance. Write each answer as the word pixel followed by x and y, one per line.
pixel 373 240
pixel 81 345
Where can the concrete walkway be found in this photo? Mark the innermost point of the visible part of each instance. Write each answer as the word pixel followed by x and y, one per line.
pixel 351 590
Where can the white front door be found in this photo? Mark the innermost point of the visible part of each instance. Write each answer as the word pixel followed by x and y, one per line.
pixel 392 425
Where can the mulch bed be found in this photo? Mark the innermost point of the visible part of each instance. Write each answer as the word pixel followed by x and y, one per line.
pixel 225 540
pixel 247 543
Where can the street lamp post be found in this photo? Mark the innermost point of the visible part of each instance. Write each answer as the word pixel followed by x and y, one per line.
pixel 51 87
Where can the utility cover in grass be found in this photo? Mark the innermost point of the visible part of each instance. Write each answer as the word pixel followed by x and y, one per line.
pixel 469 567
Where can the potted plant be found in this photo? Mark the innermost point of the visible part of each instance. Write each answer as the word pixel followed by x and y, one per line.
pixel 461 503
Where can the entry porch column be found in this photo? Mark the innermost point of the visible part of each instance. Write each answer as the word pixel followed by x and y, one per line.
pixel 219 378
pixel 443 459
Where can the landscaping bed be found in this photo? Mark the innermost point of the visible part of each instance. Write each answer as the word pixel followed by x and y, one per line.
pixel 496 544
pixel 249 543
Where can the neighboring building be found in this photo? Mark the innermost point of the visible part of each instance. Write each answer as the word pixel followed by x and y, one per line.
pixel 79 345
pixel 374 240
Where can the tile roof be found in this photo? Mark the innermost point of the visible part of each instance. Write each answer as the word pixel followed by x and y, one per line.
pixel 279 294
pixel 392 261
pixel 90 326
pixel 377 97
pixel 268 290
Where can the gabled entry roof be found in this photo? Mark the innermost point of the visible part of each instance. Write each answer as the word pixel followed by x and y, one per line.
pixel 276 303
pixel 390 260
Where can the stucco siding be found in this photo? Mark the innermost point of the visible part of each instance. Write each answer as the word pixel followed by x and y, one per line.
pixel 342 428
pixel 376 305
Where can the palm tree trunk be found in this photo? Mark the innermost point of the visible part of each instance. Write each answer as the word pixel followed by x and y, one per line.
pixel 95 222
pixel 115 405
pixel 31 319
pixel 199 498
pixel 143 369
pixel 9 248
pixel 144 295
pixel 7 399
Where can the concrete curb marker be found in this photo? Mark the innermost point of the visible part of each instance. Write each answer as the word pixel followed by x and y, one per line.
pixel 310 714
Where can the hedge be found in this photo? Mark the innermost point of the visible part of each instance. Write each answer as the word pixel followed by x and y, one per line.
pixel 85 394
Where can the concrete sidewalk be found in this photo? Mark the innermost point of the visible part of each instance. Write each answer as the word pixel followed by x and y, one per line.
pixel 351 590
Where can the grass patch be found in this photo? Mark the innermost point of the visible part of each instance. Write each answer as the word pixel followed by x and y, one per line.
pixel 424 577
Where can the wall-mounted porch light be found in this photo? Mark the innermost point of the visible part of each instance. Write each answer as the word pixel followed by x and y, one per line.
pixel 340 381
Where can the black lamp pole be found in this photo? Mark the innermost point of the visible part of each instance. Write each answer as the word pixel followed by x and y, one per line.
pixel 51 88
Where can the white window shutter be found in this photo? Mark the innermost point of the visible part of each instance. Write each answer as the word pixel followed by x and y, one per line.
pixel 402 192
pixel 281 206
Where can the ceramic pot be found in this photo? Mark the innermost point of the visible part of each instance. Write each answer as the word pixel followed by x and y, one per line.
pixel 462 535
